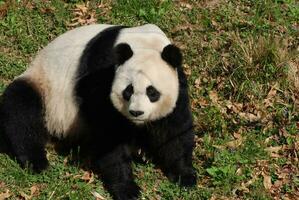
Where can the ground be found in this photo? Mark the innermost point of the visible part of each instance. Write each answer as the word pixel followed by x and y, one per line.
pixel 242 62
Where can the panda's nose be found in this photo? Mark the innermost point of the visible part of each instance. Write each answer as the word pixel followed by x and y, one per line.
pixel 135 113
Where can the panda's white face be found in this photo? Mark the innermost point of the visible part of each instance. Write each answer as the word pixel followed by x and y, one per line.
pixel 145 87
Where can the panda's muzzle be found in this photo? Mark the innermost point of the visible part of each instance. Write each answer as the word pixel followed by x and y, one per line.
pixel 136 113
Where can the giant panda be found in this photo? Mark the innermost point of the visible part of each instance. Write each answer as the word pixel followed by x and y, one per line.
pixel 110 89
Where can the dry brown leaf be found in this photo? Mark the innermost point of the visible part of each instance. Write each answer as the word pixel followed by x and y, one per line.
pixel 221 147
pixel 65 161
pixel 235 107
pixel 4 9
pixel 213 96
pixel 82 7
pixel 250 117
pixel 267 181
pixel 268 139
pixel 272 92
pixel 23 195
pixel 217 197
pixel 184 27
pixel 232 144
pixel 203 102
pixel 237 134
pixel 187 69
pixel 47 10
pixel 88 177
pixel 83 15
pixel 245 186
pixel 278 184
pixel 185 4
pixel 77 176
pixel 213 3
pixel 97 196
pixel 235 143
pixel 34 190
pixel 293 74
pixel 239 171
pixel 197 83
pixel 5 195
pixel 275 149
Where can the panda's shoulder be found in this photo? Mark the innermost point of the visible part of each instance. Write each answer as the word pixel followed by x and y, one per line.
pixel 77 37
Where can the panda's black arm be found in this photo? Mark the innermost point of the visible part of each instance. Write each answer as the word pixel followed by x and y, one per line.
pixel 173 150
pixel 116 172
pixel 175 159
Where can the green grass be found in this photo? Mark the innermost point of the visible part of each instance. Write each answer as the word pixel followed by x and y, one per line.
pixel 237 56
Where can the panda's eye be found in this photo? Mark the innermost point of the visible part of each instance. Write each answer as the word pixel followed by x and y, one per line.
pixel 127 93
pixel 152 94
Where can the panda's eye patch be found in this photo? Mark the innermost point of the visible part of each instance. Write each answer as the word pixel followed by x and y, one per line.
pixel 152 94
pixel 127 93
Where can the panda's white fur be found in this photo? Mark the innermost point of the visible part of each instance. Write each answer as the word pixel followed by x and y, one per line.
pixel 53 72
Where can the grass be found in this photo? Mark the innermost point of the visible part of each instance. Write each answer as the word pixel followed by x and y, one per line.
pixel 238 57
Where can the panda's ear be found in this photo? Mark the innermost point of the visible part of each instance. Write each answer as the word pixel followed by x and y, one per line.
pixel 172 55
pixel 123 52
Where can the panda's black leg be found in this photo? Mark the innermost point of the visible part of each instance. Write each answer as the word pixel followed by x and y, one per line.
pixel 116 172
pixel 175 159
pixel 21 113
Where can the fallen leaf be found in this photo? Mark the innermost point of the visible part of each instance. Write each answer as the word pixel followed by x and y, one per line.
pixel 83 15
pixel 212 4
pixel 65 161
pixel 268 139
pixel 221 147
pixel 34 190
pixel 213 96
pixel 88 177
pixel 185 4
pixel 268 102
pixel 275 149
pixel 235 143
pixel 5 195
pixel 187 69
pixel 249 116
pixel 98 196
pixel 197 83
pixel 231 144
pixel 267 181
pixel 4 9
pixel 237 134
pixel 24 196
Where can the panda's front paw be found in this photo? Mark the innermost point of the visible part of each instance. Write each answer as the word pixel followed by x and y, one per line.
pixel 36 164
pixel 186 177
pixel 126 191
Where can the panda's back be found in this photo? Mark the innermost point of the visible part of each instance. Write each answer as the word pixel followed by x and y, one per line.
pixel 54 70
pixel 53 73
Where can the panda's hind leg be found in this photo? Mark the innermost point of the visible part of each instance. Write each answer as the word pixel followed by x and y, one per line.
pixel 21 113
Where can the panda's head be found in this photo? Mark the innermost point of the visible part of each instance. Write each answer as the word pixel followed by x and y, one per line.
pixel 146 85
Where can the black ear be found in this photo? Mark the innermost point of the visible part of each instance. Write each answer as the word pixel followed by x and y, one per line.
pixel 172 55
pixel 123 52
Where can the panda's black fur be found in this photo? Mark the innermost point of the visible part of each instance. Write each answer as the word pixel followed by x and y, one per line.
pixel 108 135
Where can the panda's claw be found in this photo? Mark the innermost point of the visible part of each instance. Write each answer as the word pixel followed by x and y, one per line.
pixel 126 191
